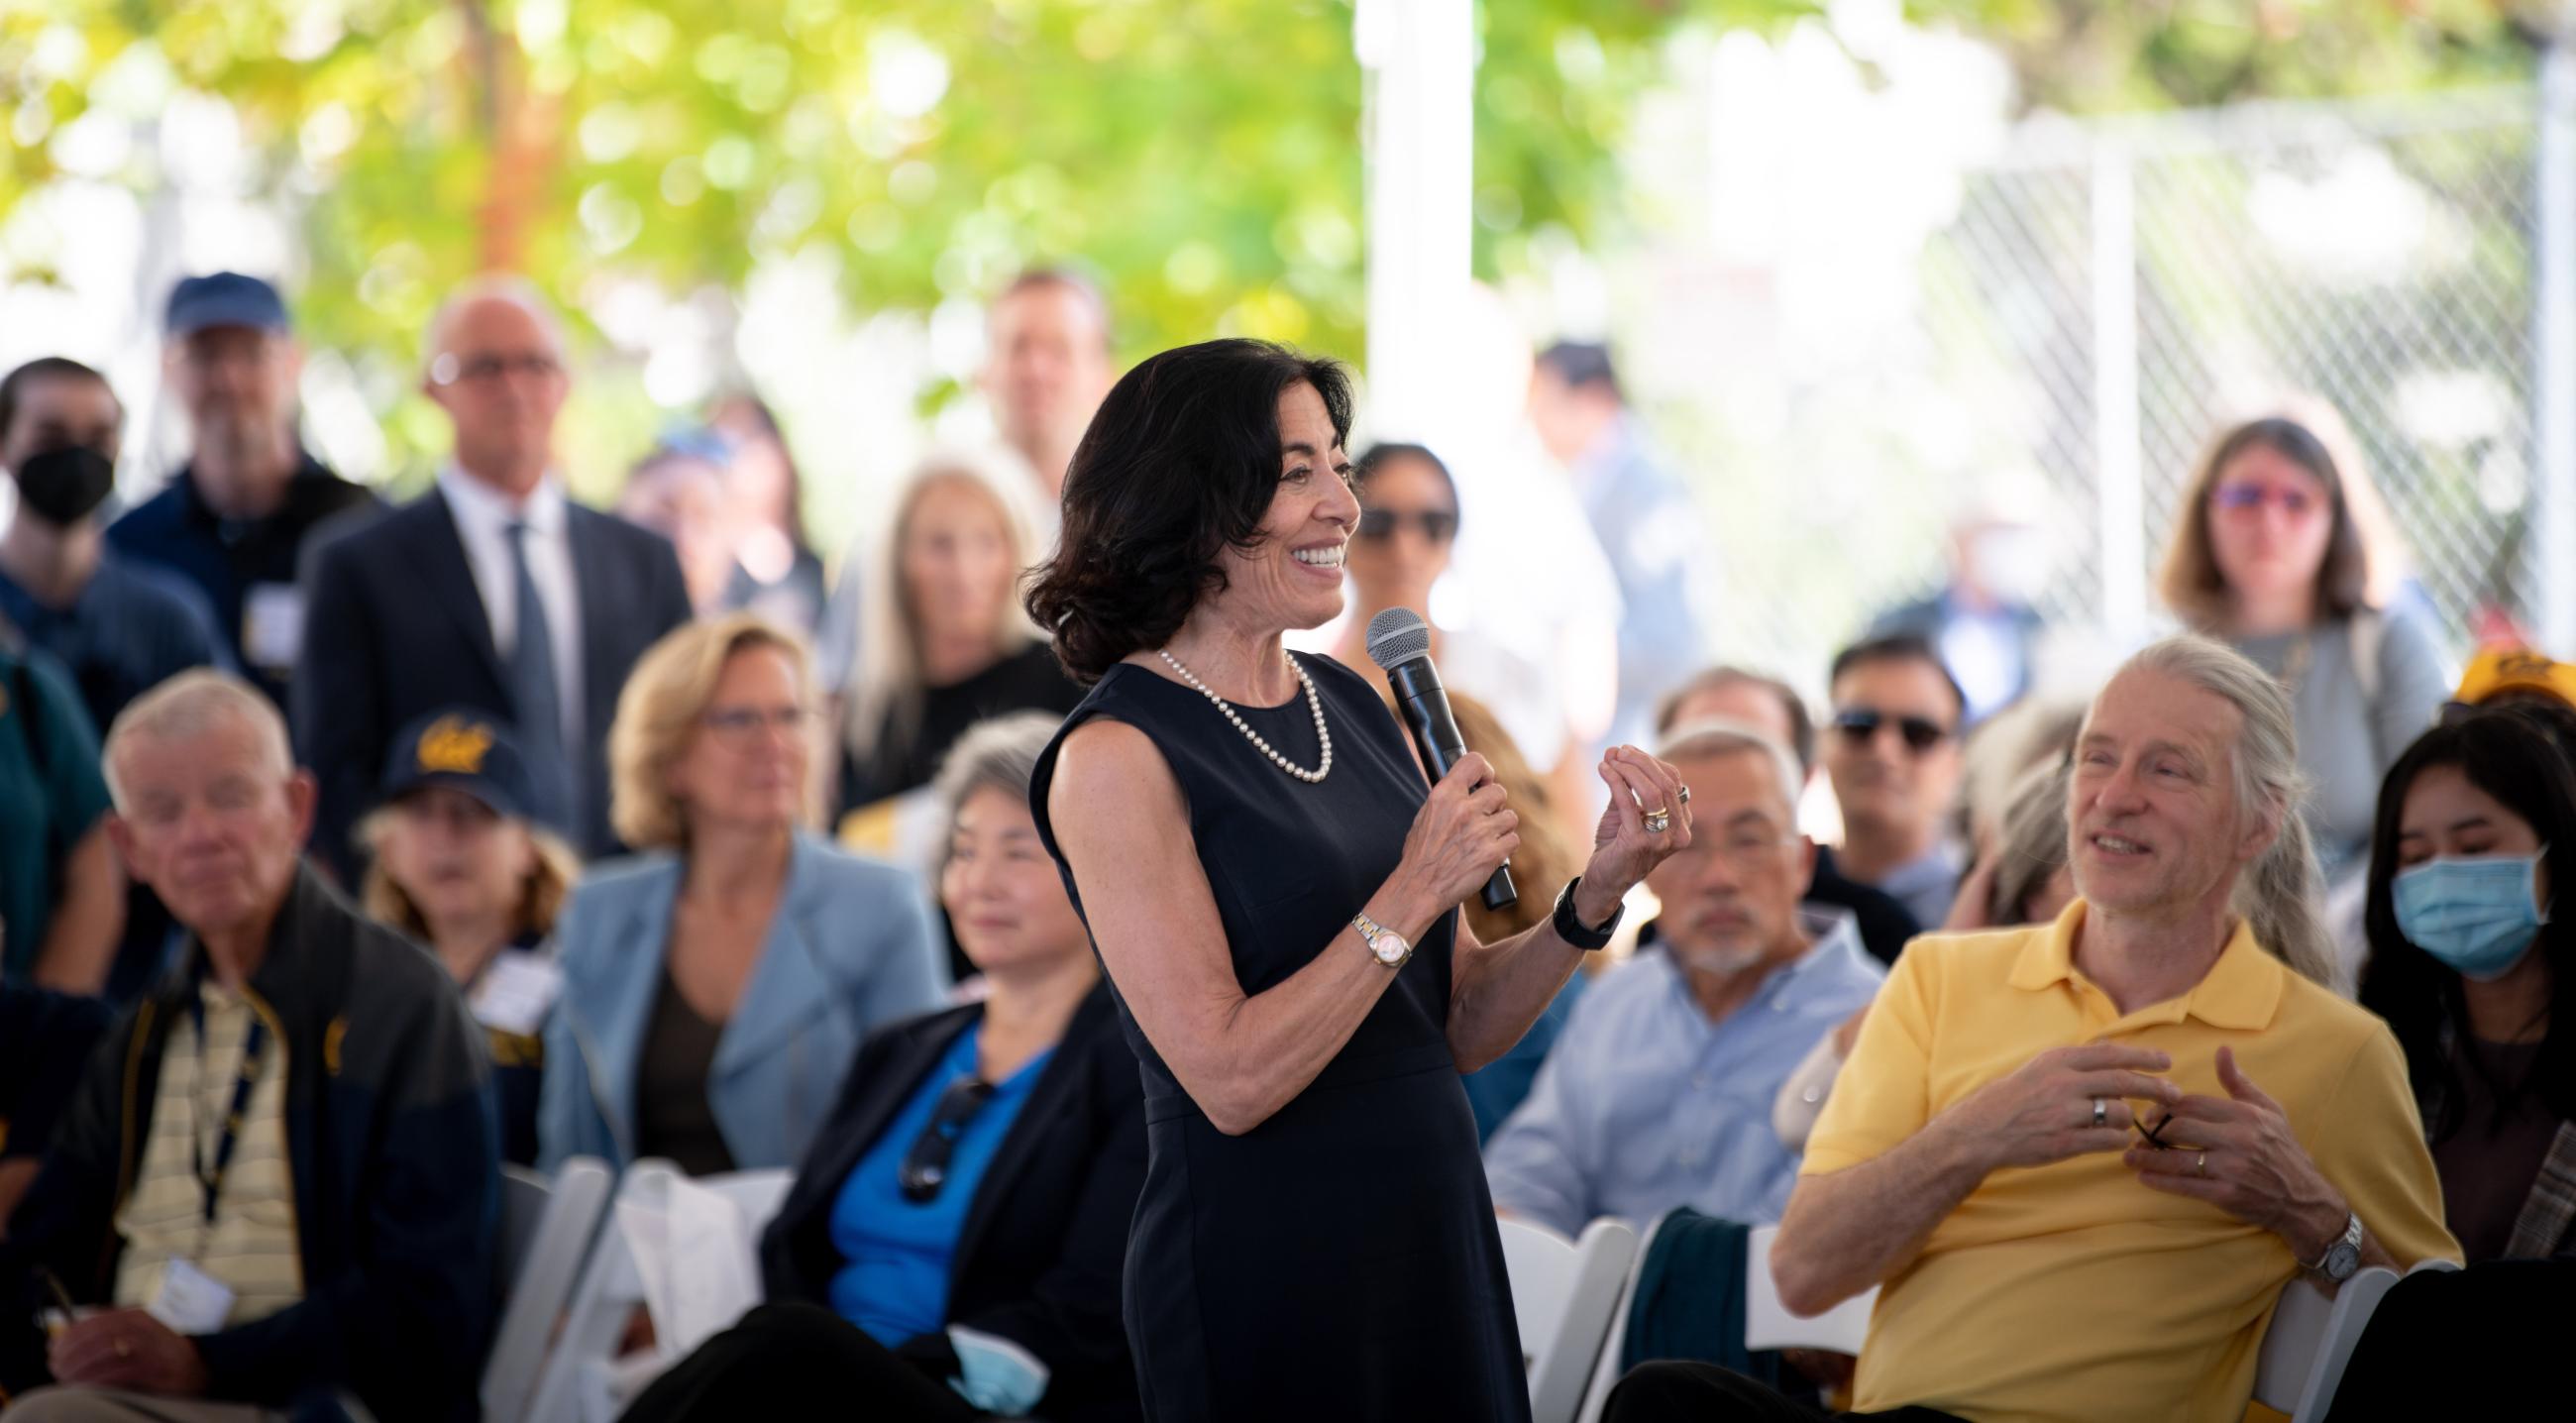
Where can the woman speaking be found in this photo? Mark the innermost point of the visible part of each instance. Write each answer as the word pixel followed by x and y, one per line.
pixel 1248 837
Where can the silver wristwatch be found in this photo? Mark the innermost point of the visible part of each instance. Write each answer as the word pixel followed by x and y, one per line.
pixel 2343 1257
pixel 1387 946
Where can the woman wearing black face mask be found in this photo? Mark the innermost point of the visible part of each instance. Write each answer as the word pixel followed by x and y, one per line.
pixel 2476 834
pixel 118 628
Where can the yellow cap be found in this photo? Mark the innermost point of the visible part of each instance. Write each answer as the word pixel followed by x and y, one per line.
pixel 2497 670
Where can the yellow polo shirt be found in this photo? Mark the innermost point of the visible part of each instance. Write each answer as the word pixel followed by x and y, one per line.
pixel 2071 1291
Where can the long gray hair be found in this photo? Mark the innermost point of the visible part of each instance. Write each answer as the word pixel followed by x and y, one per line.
pixel 2281 896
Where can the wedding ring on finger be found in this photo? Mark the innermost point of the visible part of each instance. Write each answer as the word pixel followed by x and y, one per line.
pixel 1658 821
pixel 2101 1112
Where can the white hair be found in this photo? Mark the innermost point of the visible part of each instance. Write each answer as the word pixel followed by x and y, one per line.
pixel 503 287
pixel 1720 735
pixel 2280 896
pixel 191 704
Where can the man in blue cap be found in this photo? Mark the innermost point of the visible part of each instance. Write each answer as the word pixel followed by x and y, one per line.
pixel 233 521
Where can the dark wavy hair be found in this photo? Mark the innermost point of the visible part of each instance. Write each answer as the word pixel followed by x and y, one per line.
pixel 1179 464
pixel 2512 758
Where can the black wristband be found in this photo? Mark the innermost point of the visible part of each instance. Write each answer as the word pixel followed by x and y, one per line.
pixel 1571 928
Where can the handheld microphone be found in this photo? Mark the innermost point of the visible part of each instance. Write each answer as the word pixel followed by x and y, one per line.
pixel 1399 643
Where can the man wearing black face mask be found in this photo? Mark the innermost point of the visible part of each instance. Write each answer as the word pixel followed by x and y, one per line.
pixel 120 628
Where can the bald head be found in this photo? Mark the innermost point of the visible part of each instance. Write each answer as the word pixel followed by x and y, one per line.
pixel 495 364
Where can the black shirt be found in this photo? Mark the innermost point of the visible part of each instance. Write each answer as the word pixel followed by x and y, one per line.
pixel 227 558
pixel 673 1117
pixel 1027 680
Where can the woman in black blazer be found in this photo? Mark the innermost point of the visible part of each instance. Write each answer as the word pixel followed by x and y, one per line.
pixel 953 1244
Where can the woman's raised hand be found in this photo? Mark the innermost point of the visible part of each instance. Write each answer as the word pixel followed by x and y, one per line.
pixel 1628 843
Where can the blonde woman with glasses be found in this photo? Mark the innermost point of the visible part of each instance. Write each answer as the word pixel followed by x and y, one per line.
pixel 717 985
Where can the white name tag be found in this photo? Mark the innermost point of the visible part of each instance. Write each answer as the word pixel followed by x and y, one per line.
pixel 272 624
pixel 190 1301
pixel 517 991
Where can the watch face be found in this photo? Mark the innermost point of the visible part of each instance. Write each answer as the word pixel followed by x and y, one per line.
pixel 1391 948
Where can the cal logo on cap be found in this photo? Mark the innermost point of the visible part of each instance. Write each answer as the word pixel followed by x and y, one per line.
pixel 455 746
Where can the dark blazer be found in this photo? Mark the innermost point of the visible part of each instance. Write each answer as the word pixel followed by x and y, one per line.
pixel 394 627
pixel 1045 1241
pixel 390 1145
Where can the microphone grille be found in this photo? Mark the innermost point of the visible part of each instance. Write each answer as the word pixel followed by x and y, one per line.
pixel 1397 636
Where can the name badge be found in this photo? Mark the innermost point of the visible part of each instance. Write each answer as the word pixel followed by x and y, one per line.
pixel 272 625
pixel 516 992
pixel 190 1301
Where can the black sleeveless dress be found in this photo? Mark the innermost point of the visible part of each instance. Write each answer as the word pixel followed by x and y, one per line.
pixel 1339 1261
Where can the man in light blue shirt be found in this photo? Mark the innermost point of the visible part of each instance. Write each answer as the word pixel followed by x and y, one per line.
pixel 1659 1092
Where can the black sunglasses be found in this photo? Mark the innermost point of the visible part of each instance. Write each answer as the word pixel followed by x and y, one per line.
pixel 925 1166
pixel 1861 724
pixel 1437 525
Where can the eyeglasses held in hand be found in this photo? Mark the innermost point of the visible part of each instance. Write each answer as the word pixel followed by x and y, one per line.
pixel 1436 525
pixel 1860 724
pixel 925 1166
pixel 2155 1135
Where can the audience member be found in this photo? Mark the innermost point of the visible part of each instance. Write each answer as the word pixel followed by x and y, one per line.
pixel 944 642
pixel 1408 525
pixel 1047 366
pixel 62 894
pixel 2502 676
pixel 1659 1093
pixel 1997 757
pixel 777 573
pixel 1658 544
pixel 678 491
pixel 2174 1013
pixel 955 1238
pixel 457 865
pixel 118 629
pixel 2476 828
pixel 1774 708
pixel 715 986
pixel 493 590
pixel 335 1230
pixel 1545 857
pixel 1983 621
pixel 45 1042
pixel 1896 765
pixel 2269 558
pixel 234 520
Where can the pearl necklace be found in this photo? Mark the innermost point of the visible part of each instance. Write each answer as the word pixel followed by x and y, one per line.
pixel 1314 703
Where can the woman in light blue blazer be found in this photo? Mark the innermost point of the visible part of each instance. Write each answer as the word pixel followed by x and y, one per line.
pixel 716 987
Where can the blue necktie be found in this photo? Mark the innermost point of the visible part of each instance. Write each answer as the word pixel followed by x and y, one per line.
pixel 539 699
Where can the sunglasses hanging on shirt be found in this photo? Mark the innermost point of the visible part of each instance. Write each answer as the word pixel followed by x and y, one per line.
pixel 925 1166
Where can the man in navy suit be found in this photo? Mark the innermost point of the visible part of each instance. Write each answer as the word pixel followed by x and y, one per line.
pixel 432 604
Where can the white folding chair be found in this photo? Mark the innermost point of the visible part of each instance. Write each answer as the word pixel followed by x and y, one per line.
pixel 584 1380
pixel 545 1230
pixel 2310 1340
pixel 1768 1324
pixel 1605 1371
pixel 1562 1294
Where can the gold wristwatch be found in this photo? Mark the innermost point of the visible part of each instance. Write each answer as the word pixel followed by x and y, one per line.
pixel 1384 944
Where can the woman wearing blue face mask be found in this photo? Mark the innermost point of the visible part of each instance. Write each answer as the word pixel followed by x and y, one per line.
pixel 2476 825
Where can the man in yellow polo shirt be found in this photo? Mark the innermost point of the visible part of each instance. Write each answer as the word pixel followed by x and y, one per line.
pixel 2081 1159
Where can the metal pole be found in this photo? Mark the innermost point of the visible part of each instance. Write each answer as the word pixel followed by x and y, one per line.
pixel 2116 457
pixel 2553 395
pixel 1421 160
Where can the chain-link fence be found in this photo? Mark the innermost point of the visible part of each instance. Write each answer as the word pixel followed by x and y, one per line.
pixel 2107 298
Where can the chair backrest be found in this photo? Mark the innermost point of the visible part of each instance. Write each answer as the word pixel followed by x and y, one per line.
pixel 1563 1295
pixel 584 1380
pixel 1768 1324
pixel 546 1228
pixel 1614 1341
pixel 2310 1340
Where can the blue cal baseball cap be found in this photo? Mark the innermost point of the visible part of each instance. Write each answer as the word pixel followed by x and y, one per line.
pixel 464 749
pixel 223 299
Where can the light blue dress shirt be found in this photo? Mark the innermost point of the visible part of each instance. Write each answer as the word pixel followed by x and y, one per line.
pixel 1646 1105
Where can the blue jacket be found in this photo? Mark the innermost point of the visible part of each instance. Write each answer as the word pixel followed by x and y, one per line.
pixel 850 947
pixel 390 1147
